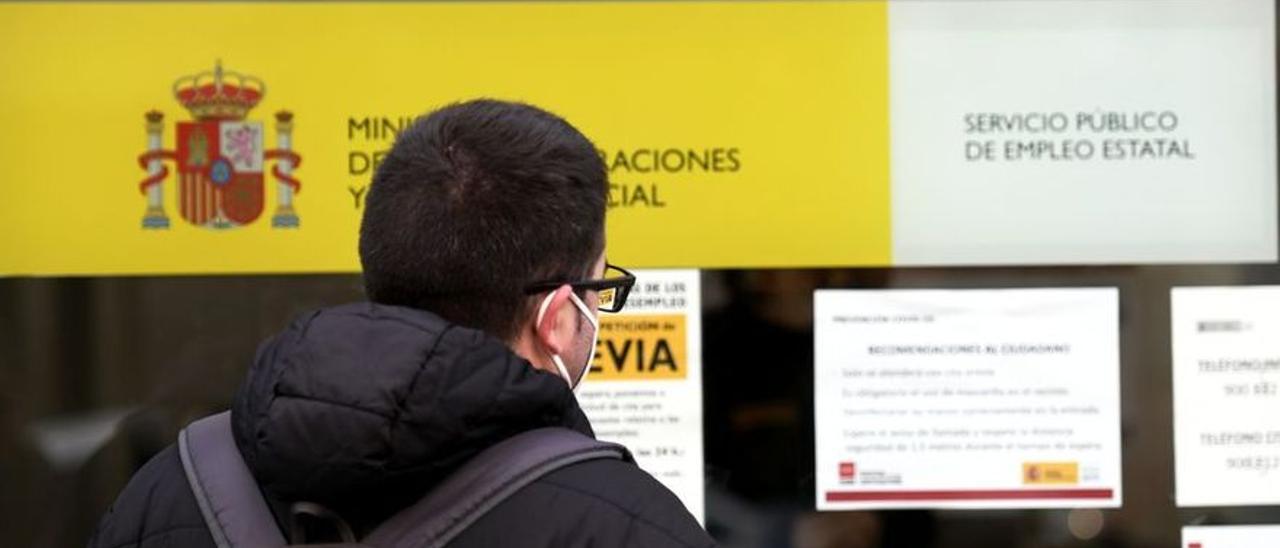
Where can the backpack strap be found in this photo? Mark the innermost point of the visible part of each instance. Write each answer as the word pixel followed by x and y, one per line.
pixel 229 499
pixel 485 481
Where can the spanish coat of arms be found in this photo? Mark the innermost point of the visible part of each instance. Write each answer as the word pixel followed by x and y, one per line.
pixel 220 156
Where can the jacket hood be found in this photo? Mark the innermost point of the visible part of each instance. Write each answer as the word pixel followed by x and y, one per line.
pixel 368 402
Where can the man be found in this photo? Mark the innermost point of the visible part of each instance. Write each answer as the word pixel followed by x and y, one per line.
pixel 483 252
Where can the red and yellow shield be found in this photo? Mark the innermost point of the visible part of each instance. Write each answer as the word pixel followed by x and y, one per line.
pixel 220 177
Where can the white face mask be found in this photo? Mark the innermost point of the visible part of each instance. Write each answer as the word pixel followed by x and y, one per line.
pixel 591 350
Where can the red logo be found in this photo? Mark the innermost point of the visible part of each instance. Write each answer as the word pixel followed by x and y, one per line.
pixel 848 470
pixel 220 156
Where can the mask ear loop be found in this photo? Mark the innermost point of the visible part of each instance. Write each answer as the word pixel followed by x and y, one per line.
pixel 595 339
pixel 542 309
pixel 582 307
pixel 555 358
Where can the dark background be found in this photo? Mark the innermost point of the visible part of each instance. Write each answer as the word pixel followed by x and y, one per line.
pixel 100 373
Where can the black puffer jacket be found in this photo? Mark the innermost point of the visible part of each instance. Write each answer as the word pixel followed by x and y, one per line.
pixel 363 408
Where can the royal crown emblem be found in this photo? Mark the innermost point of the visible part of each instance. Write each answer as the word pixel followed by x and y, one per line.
pixel 220 155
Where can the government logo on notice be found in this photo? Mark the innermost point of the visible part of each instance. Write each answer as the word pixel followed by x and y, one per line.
pixel 220 156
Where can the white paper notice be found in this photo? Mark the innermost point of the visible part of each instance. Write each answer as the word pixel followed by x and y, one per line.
pixel 1226 395
pixel 645 386
pixel 967 398
pixel 1231 536
pixel 1083 131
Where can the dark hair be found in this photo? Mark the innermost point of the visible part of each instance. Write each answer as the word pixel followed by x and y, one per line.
pixel 474 202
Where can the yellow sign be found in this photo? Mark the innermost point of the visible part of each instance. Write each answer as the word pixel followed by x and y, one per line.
pixel 1050 473
pixel 157 138
pixel 641 347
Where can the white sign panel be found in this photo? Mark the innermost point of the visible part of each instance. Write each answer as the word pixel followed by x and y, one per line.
pixel 1082 131
pixel 1231 536
pixel 645 386
pixel 1226 395
pixel 967 398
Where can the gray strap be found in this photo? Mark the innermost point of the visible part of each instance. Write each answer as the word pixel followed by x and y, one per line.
pixel 484 482
pixel 229 499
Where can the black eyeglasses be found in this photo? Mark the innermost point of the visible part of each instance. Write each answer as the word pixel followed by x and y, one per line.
pixel 612 289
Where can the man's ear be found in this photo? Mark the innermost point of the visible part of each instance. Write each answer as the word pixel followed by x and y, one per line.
pixel 555 331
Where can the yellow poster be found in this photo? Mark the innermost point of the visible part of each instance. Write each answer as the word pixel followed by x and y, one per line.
pixel 241 137
pixel 641 347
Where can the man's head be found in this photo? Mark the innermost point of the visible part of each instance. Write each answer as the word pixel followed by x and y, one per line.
pixel 477 201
